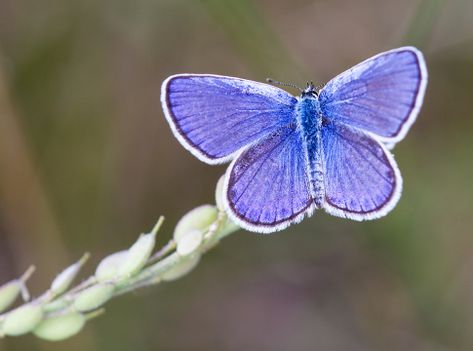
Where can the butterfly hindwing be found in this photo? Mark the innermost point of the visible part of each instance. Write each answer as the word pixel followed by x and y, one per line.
pixel 381 95
pixel 267 185
pixel 362 180
pixel 215 116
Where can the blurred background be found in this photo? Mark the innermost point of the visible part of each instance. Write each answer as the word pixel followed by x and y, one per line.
pixel 87 162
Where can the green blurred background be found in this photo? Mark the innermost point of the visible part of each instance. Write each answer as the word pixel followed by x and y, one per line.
pixel 87 162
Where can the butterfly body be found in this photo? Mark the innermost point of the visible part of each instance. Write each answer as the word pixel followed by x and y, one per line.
pixel 310 122
pixel 289 155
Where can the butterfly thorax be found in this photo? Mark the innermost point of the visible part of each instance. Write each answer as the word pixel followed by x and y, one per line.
pixel 309 123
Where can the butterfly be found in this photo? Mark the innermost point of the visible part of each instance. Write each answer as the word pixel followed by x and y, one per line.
pixel 325 149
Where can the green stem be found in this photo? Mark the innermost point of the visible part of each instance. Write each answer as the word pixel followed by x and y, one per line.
pixel 152 273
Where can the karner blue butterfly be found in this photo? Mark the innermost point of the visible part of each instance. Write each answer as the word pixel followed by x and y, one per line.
pixel 327 148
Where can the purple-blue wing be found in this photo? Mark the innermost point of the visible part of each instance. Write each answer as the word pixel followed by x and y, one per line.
pixel 267 185
pixel 362 180
pixel 381 95
pixel 216 116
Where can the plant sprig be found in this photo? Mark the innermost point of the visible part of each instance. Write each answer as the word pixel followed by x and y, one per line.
pixel 62 311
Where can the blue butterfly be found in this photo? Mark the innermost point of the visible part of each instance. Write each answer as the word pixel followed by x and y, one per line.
pixel 327 148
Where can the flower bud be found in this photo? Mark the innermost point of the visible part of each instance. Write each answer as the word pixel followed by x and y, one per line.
pixel 93 297
pixel 188 243
pixel 22 320
pixel 62 282
pixel 199 218
pixel 60 327
pixel 219 194
pixel 9 293
pixel 182 268
pixel 55 305
pixel 137 255
pixel 108 268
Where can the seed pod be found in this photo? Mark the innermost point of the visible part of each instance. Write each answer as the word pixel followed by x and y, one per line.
pixel 188 243
pixel 182 268
pixel 9 292
pixel 93 297
pixel 60 327
pixel 137 255
pixel 108 268
pixel 22 320
pixel 64 279
pixel 199 218
pixel 55 305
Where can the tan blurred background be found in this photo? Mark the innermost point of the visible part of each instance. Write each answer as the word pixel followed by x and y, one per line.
pixel 87 162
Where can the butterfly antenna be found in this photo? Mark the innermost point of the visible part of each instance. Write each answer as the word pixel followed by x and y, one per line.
pixel 320 86
pixel 292 85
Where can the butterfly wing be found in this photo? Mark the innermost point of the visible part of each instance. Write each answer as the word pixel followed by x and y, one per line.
pixel 362 180
pixel 381 95
pixel 215 116
pixel 267 185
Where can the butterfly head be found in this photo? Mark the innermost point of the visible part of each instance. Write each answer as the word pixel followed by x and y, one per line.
pixel 310 90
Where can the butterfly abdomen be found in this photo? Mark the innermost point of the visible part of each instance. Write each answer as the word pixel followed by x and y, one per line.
pixel 309 119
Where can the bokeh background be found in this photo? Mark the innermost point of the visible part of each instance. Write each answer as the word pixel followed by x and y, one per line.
pixel 87 162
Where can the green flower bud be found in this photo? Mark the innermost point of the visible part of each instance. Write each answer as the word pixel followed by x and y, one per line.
pixel 182 268
pixel 199 218
pixel 22 320
pixel 55 305
pixel 93 297
pixel 188 243
pixel 108 268
pixel 9 293
pixel 137 255
pixel 65 278
pixel 219 194
pixel 60 327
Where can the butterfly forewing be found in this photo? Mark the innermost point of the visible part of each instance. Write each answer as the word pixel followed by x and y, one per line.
pixel 381 95
pixel 215 116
